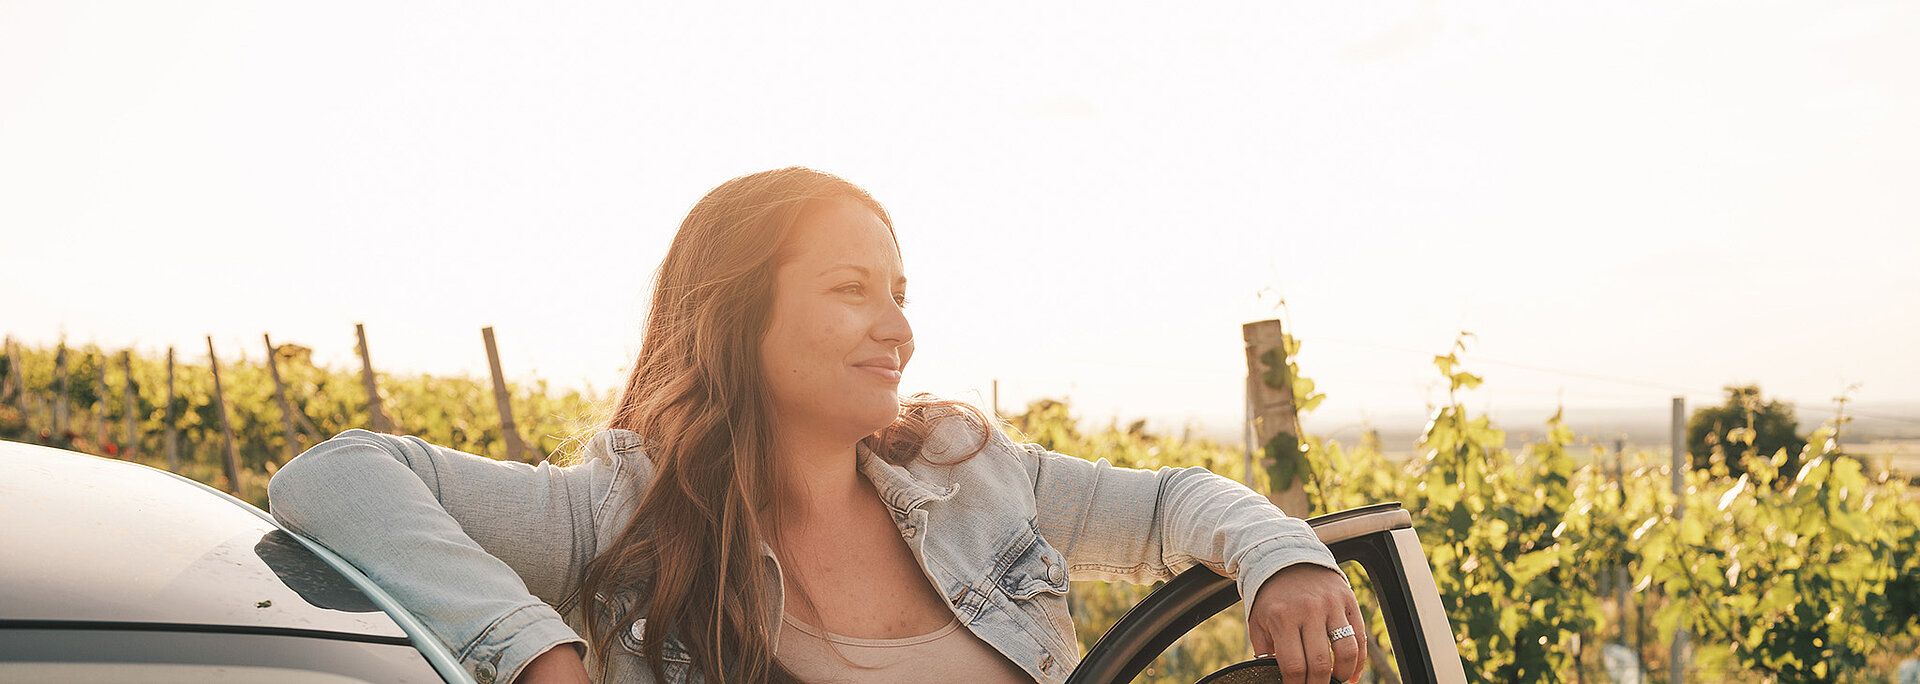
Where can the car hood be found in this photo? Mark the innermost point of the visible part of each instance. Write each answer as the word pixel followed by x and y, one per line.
pixel 91 539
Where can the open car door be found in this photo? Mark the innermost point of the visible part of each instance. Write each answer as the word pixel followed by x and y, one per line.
pixel 1380 538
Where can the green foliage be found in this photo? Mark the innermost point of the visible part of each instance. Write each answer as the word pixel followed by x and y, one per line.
pixel 1813 577
pixel 1505 534
pixel 1800 582
pixel 1808 574
pixel 455 412
pixel 1745 425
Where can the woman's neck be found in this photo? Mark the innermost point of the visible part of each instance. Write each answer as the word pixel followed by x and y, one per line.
pixel 819 480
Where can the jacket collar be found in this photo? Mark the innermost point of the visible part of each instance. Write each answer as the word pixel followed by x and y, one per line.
pixel 899 488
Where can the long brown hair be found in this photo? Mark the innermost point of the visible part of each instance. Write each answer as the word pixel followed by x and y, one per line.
pixel 698 401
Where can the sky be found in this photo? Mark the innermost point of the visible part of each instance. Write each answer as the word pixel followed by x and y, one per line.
pixel 1623 201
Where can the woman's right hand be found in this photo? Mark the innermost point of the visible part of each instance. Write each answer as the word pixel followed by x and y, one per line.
pixel 559 665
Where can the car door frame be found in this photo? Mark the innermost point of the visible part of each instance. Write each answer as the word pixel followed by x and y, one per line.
pixel 1379 537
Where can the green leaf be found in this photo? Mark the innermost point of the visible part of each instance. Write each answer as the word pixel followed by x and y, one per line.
pixel 1283 460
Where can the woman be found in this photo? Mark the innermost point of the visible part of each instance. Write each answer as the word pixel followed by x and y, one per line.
pixel 761 451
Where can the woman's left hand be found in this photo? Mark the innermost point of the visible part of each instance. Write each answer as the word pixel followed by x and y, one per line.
pixel 1294 615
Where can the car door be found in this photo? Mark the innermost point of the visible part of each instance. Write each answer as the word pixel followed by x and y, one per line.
pixel 1379 538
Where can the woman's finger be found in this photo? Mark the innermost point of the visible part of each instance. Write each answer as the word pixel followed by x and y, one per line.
pixel 1289 654
pixel 1346 655
pixel 1261 640
pixel 1359 623
pixel 1319 653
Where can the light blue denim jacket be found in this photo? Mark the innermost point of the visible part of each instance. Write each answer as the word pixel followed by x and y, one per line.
pixel 489 554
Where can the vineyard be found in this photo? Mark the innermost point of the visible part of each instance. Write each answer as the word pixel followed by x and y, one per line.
pixel 1555 566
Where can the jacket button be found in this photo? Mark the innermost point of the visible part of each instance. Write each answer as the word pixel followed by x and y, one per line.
pixel 483 673
pixel 639 629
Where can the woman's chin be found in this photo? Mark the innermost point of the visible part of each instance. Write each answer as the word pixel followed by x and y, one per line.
pixel 881 415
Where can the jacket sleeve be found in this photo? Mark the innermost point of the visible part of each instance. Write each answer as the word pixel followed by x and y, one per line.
pixel 1143 526
pixel 482 551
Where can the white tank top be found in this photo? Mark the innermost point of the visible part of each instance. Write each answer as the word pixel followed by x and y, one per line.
pixel 947 654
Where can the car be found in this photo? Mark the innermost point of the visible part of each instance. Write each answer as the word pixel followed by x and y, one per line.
pixel 115 571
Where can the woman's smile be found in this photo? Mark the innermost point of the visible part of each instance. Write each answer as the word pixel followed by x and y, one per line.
pixel 887 374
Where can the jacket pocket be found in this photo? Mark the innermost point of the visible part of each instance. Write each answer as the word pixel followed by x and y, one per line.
pixel 629 654
pixel 633 641
pixel 1038 568
pixel 1036 585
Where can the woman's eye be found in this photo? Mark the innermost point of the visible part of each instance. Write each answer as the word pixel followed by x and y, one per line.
pixel 856 288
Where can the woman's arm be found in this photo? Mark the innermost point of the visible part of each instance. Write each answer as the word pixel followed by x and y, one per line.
pixel 1147 525
pixel 1143 526
pixel 482 551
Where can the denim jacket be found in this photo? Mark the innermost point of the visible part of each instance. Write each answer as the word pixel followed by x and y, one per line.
pixel 489 554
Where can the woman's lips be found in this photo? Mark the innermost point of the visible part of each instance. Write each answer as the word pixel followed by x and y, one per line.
pixel 887 374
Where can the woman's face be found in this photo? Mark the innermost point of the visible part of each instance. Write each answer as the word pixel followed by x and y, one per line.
pixel 837 339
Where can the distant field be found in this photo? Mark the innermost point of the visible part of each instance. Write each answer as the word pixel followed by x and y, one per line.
pixel 1899 455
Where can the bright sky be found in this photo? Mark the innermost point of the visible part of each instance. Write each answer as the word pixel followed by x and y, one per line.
pixel 1090 200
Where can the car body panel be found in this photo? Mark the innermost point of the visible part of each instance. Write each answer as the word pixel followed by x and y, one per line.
pixel 134 544
pixel 97 544
pixel 142 655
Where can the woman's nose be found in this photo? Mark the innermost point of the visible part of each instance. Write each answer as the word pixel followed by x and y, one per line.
pixel 892 326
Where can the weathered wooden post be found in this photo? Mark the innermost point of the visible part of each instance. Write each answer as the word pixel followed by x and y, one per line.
pixel 280 395
pixel 226 426
pixel 377 414
pixel 60 381
pixel 1276 422
pixel 1677 663
pixel 1246 427
pixel 11 379
pixel 13 388
pixel 1620 581
pixel 100 402
pixel 30 404
pixel 173 427
pixel 516 449
pixel 131 444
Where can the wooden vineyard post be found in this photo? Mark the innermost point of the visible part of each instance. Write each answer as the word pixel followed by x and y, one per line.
pixel 1275 419
pixel 516 448
pixel 100 402
pixel 280 395
pixel 1276 422
pixel 60 401
pixel 14 388
pixel 1246 427
pixel 11 379
pixel 226 426
pixel 131 443
pixel 1620 581
pixel 173 429
pixel 30 404
pixel 1677 663
pixel 377 414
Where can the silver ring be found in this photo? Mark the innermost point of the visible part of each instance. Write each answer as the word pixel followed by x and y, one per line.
pixel 1343 632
